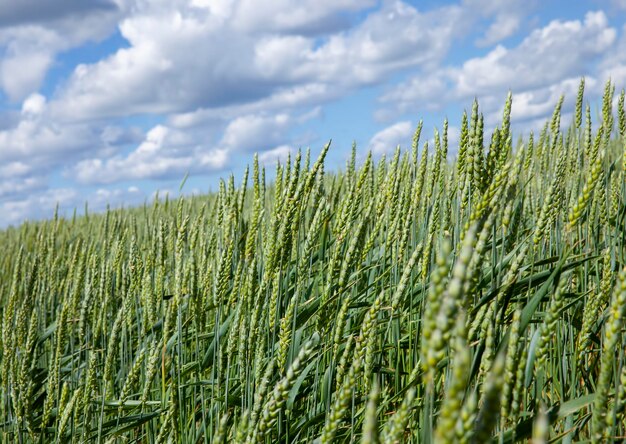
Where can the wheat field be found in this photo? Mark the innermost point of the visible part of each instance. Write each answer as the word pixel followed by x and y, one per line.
pixel 472 293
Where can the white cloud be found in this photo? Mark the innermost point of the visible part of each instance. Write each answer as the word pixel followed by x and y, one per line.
pixel 34 144
pixel 14 169
pixel 279 153
pixel 100 198
pixel 158 73
pixel 256 132
pixel 296 16
pixel 550 47
pixel 34 105
pixel 41 204
pixel 37 205
pixel 165 153
pixel 17 188
pixel 544 65
pixel 538 103
pixel 454 134
pixel 507 15
pixel 232 68
pixel 22 73
pixel 300 97
pixel 387 139
pixel 170 152
pixel 40 140
pixel 35 11
pixel 504 26
pixel 32 33
pixel 613 64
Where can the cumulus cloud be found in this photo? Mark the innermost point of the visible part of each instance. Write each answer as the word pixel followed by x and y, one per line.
pixel 32 33
pixel 34 143
pixel 247 68
pixel 19 188
pixel 115 197
pixel 158 74
pixel 305 17
pixel 256 132
pixel 613 64
pixel 22 73
pixel 507 15
pixel 168 152
pixel 42 204
pixel 387 139
pixel 34 11
pixel 517 68
pixel 297 97
pixel 36 205
pixel 274 155
pixel 503 27
pixel 538 70
pixel 164 154
pixel 40 140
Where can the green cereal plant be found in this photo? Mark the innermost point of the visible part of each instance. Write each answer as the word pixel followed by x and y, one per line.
pixel 615 322
pixel 578 112
pixel 370 422
pixel 456 387
pixel 413 297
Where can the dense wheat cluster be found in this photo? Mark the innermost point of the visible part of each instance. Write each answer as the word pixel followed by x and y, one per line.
pixel 419 298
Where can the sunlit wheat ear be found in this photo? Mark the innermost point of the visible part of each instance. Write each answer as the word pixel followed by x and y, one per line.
pixel 370 423
pixel 252 416
pixel 394 430
pixel 456 386
pixel 221 430
pixel 613 327
pixel 490 404
pixel 279 395
pixel 541 430
pixel 549 325
pixel 67 412
pixel 578 113
pixel 510 366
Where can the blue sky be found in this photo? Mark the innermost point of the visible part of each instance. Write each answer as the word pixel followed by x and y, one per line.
pixel 108 101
